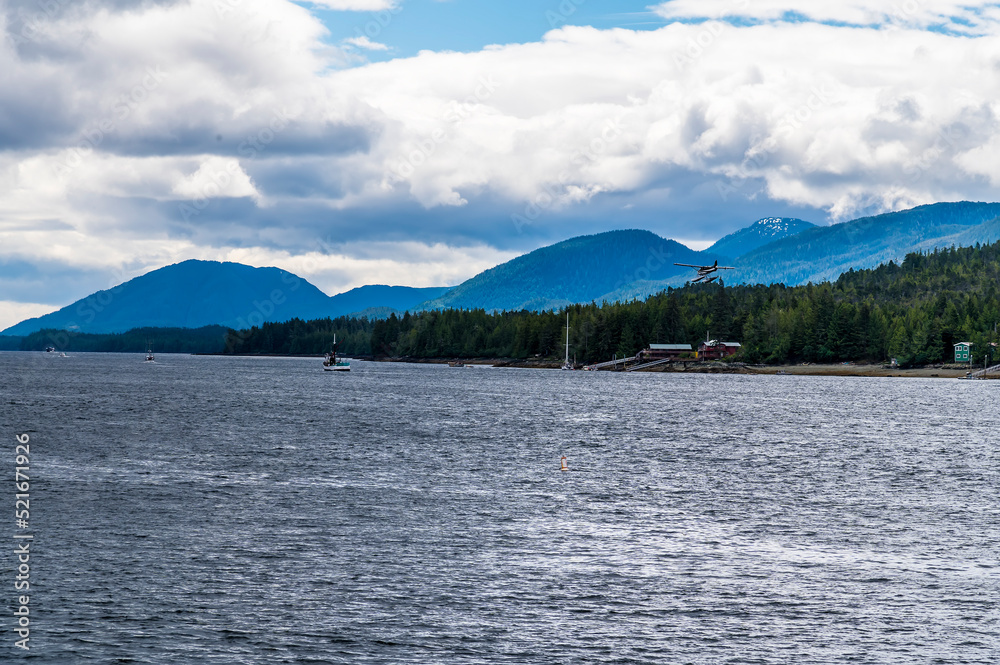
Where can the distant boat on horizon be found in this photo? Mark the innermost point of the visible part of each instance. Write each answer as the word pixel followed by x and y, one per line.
pixel 149 352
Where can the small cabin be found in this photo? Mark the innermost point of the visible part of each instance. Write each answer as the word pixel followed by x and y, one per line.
pixel 663 351
pixel 963 352
pixel 715 350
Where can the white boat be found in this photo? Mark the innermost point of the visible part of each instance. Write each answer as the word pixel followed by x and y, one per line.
pixel 331 364
pixel 566 363
pixel 149 352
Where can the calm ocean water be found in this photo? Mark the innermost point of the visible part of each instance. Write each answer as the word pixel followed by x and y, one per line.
pixel 235 510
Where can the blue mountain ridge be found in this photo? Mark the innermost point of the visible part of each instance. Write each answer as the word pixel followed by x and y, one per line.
pixel 606 267
pixel 196 293
pixel 823 253
pixel 581 269
pixel 378 300
pixel 758 234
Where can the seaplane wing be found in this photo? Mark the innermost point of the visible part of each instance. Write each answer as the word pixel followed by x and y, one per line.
pixel 705 270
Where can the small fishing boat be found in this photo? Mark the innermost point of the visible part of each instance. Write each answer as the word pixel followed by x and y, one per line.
pixel 149 352
pixel 332 364
pixel 456 363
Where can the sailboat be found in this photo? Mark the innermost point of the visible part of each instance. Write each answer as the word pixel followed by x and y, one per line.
pixel 566 363
pixel 331 364
pixel 149 352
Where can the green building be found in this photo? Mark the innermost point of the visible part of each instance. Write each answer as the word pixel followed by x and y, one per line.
pixel 963 352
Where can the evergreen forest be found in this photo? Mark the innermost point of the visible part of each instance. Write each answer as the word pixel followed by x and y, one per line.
pixel 914 311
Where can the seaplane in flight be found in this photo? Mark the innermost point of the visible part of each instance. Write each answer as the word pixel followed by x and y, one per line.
pixel 705 271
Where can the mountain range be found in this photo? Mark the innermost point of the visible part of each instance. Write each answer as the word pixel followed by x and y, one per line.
pixel 606 267
pixel 822 253
pixel 581 269
pixel 758 234
pixel 193 294
pixel 800 252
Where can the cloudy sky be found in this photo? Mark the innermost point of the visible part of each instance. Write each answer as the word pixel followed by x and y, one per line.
pixel 418 142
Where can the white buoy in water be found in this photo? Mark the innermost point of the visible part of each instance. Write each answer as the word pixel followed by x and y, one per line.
pixel 562 462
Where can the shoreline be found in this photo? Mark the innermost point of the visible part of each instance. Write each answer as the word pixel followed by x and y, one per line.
pixel 943 371
pixel 929 372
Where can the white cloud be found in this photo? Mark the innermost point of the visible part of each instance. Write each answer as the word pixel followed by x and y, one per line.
pixel 115 119
pixel 959 16
pixel 363 42
pixel 216 177
pixel 12 312
pixel 394 263
pixel 356 5
pixel 697 245
pixel 797 107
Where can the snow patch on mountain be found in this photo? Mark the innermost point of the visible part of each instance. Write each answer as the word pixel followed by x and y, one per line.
pixel 758 234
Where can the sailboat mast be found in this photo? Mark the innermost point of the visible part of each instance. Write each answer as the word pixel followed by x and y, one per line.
pixel 567 338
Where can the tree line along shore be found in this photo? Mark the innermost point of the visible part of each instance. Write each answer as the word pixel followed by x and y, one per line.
pixel 913 312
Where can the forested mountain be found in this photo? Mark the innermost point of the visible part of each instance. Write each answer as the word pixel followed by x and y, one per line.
pixel 378 300
pixel 577 270
pixel 822 253
pixel 191 294
pixel 194 294
pixel 617 266
pixel 914 312
pixel 758 234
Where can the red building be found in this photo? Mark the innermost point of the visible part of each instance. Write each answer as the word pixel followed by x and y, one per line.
pixel 662 351
pixel 715 350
